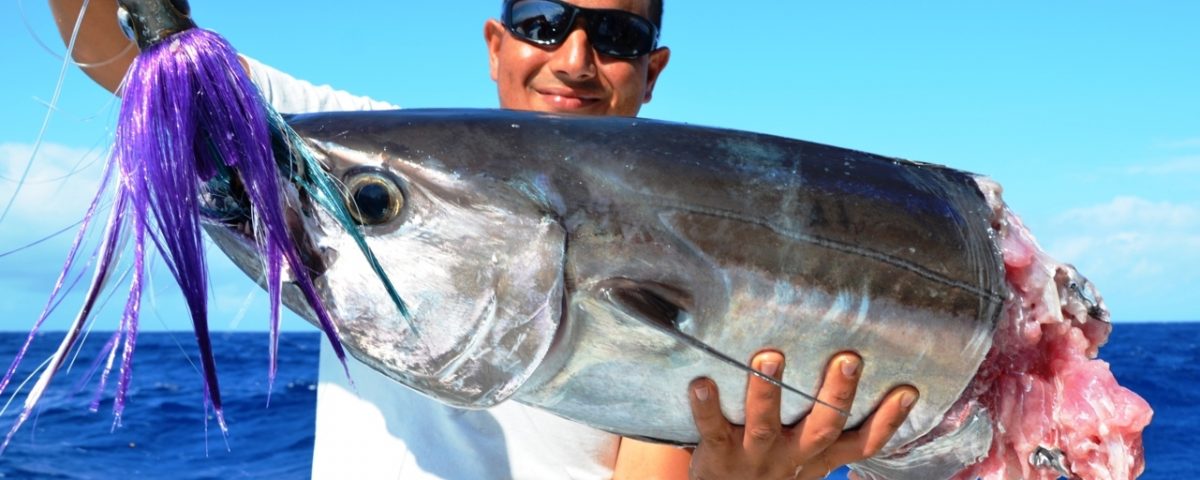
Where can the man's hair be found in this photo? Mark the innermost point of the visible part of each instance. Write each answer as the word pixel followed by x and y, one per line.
pixel 656 13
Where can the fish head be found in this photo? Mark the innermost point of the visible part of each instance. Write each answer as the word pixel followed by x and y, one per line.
pixel 478 266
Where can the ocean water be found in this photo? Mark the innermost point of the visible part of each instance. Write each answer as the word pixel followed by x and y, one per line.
pixel 164 432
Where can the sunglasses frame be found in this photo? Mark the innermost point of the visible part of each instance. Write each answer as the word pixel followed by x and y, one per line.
pixel 590 25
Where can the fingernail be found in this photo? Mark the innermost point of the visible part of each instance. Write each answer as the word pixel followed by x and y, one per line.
pixel 907 399
pixel 850 367
pixel 701 392
pixel 769 368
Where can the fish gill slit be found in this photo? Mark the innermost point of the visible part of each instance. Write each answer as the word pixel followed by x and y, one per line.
pixel 651 308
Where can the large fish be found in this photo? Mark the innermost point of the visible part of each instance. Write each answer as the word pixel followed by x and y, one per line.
pixel 593 267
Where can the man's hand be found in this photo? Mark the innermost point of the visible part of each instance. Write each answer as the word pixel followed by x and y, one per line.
pixel 763 448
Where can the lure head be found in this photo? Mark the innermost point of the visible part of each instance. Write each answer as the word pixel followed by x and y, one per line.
pixel 148 22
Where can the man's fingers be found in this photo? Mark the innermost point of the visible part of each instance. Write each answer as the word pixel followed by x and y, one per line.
pixel 762 406
pixel 715 430
pixel 877 429
pixel 823 425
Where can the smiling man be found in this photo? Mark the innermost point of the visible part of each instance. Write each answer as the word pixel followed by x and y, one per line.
pixel 592 57
pixel 598 62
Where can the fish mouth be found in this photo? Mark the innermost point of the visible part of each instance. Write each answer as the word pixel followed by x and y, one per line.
pixel 224 202
pixel 225 206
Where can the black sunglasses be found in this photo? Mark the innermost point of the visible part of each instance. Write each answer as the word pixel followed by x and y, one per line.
pixel 615 33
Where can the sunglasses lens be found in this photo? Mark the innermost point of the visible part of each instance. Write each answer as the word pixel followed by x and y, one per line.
pixel 539 21
pixel 621 35
pixel 614 33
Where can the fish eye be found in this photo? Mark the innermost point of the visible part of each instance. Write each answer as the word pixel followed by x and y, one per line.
pixel 374 197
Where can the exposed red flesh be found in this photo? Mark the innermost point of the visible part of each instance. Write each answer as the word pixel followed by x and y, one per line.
pixel 1042 383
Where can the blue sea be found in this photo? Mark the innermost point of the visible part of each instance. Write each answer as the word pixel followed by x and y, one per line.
pixel 164 433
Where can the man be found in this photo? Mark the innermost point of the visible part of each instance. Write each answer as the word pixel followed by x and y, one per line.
pixel 594 57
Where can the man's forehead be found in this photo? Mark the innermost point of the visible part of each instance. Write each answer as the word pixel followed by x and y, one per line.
pixel 640 7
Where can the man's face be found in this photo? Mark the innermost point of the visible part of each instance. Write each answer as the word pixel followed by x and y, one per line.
pixel 571 77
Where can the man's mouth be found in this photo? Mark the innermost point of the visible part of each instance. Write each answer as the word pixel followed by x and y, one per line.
pixel 566 99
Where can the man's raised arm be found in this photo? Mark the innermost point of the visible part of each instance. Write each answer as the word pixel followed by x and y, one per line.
pixel 102 49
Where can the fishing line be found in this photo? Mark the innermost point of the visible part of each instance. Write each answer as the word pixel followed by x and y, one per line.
pixel 91 321
pixel 37 39
pixel 36 414
pixel 150 286
pixel 182 350
pixel 78 167
pixel 157 316
pixel 719 355
pixel 59 299
pixel 154 311
pixel 105 107
pixel 109 354
pixel 21 386
pixel 244 308
pixel 706 348
pixel 62 76
pixel 87 377
pixel 41 240
pixel 166 328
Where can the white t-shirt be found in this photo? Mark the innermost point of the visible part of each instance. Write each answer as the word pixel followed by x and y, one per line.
pixel 382 429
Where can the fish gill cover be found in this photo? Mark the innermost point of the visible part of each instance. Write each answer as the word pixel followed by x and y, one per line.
pixel 191 123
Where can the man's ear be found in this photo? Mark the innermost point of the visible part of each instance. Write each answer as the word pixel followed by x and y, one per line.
pixel 658 61
pixel 494 34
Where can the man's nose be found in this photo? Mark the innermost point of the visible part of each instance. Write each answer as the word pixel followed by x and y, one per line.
pixel 574 59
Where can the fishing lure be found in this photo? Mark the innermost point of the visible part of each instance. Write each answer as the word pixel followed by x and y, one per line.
pixel 192 126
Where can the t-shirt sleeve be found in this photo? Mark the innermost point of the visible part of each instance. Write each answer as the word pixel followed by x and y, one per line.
pixel 288 94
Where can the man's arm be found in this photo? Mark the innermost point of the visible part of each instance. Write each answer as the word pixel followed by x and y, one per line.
pixel 101 48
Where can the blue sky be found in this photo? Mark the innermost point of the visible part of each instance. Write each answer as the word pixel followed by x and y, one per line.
pixel 1087 112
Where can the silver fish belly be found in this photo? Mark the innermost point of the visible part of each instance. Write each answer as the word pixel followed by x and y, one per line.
pixel 574 264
